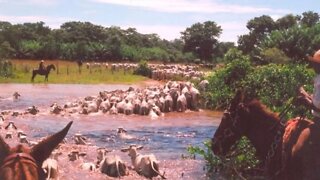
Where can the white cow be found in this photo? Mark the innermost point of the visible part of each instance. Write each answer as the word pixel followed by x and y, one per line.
pixel 50 167
pixel 111 165
pixel 145 165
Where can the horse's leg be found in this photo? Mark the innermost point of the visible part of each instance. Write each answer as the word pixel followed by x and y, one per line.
pixel 33 76
pixel 46 78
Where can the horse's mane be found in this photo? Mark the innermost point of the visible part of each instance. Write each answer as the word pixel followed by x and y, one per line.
pixel 259 107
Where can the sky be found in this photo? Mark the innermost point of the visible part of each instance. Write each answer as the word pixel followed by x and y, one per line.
pixel 167 18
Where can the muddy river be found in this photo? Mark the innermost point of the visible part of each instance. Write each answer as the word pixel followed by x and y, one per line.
pixel 167 137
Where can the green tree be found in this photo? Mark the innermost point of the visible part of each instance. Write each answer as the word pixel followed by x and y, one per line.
pixel 259 28
pixel 201 39
pixel 310 18
pixel 287 21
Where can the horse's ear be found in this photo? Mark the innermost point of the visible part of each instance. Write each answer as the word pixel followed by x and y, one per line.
pixel 4 149
pixel 42 150
pixel 238 98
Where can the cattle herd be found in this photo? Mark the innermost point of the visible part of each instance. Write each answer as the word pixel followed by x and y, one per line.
pixel 153 101
pixel 161 72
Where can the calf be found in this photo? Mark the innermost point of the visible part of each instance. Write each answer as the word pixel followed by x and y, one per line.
pixel 1 121
pixel 111 165
pixel 88 166
pixel 50 167
pixel 145 165
pixel 16 95
pixel 11 126
pixel 122 134
pixel 80 140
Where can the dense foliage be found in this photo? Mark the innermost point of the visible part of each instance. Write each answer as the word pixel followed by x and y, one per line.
pixel 86 41
pixel 295 35
pixel 6 68
pixel 275 85
pixel 241 162
pixel 201 38
pixel 143 69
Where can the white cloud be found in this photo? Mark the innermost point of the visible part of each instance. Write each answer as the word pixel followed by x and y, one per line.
pixel 37 2
pixel 276 16
pixel 199 6
pixel 231 31
pixel 168 32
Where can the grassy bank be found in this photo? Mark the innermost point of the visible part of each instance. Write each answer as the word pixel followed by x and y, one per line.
pixel 68 73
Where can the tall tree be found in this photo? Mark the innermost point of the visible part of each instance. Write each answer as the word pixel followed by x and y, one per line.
pixel 310 18
pixel 287 21
pixel 259 28
pixel 201 39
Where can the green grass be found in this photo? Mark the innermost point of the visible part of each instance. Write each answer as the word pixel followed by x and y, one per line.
pixel 68 73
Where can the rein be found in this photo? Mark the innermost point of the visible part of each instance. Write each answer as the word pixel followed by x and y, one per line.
pixel 22 157
pixel 278 137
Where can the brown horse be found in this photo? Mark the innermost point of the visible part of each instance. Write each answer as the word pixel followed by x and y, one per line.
pixel 288 152
pixel 23 163
pixel 44 72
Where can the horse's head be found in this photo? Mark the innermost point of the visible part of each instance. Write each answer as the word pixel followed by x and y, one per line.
pixel 232 127
pixel 51 66
pixel 25 163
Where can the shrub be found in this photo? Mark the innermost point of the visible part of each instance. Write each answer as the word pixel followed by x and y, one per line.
pixel 143 69
pixel 6 68
pixel 241 161
pixel 224 81
pixel 275 85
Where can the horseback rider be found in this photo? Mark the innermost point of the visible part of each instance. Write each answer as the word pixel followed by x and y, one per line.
pixel 312 101
pixel 41 65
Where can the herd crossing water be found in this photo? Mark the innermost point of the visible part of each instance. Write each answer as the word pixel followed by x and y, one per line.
pixel 167 137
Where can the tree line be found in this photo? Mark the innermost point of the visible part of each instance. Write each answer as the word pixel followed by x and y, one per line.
pixel 287 39
pixel 86 41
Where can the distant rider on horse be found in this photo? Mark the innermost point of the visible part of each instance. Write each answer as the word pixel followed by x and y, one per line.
pixel 41 66
pixel 312 101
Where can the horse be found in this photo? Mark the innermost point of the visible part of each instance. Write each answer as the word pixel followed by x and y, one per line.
pixel 23 163
pixel 45 72
pixel 287 151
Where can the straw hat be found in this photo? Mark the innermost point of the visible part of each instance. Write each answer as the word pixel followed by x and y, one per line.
pixel 316 57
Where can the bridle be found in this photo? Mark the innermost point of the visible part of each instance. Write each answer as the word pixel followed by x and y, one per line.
pixel 232 130
pixel 21 157
pixel 229 131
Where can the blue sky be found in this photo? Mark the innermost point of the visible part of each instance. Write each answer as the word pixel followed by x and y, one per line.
pixel 167 18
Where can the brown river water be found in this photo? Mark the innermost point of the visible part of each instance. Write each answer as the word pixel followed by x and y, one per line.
pixel 167 136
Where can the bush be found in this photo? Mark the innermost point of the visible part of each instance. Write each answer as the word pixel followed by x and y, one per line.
pixel 240 162
pixel 263 82
pixel 275 85
pixel 143 69
pixel 6 68
pixel 224 82
pixel 274 55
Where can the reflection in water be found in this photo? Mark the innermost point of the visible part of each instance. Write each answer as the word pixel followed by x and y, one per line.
pixel 167 137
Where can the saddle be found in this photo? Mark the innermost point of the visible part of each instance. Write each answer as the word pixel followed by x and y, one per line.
pixel 293 129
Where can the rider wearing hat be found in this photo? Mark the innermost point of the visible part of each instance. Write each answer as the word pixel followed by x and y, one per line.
pixel 312 101
pixel 41 65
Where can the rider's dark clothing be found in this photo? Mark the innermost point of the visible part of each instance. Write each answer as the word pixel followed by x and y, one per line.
pixel 41 66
